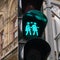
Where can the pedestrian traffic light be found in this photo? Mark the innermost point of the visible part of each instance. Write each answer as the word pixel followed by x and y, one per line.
pixel 30 28
pixel 34 23
pixel 31 44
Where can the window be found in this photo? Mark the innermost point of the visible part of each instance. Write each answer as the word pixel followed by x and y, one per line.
pixel 15 34
pixel 1 46
pixel 1 21
pixel 15 28
pixel 15 23
pixel 2 35
pixel 55 27
pixel 2 39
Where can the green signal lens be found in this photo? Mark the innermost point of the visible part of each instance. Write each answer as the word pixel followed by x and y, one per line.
pixel 31 28
pixel 34 23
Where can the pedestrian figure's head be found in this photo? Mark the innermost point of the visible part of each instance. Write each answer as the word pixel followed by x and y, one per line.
pixel 34 23
pixel 27 23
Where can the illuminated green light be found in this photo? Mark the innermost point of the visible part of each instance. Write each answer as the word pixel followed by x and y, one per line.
pixel 31 28
pixel 34 23
pixel 28 28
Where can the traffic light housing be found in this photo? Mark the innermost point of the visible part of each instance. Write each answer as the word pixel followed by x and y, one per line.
pixel 33 47
pixel 30 29
pixel 34 23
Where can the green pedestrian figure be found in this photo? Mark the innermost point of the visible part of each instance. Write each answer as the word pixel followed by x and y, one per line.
pixel 35 29
pixel 28 29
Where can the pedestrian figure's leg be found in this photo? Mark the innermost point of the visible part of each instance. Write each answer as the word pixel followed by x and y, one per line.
pixel 26 32
pixel 34 33
pixel 30 32
pixel 37 33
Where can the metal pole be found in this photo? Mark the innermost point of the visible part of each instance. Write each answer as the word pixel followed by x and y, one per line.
pixel 50 30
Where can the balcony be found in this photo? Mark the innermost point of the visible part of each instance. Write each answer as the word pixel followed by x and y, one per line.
pixel 9 49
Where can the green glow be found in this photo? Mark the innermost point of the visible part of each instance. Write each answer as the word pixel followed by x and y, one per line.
pixel 31 28
pixel 29 15
pixel 28 29
pixel 34 23
pixel 39 15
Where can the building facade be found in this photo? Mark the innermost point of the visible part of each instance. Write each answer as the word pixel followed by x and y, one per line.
pixel 56 27
pixel 55 19
pixel 8 30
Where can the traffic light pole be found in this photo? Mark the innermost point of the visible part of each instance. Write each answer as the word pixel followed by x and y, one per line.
pixel 50 30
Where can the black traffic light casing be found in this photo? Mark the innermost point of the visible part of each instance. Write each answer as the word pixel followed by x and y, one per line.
pixel 31 25
pixel 33 47
pixel 36 49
